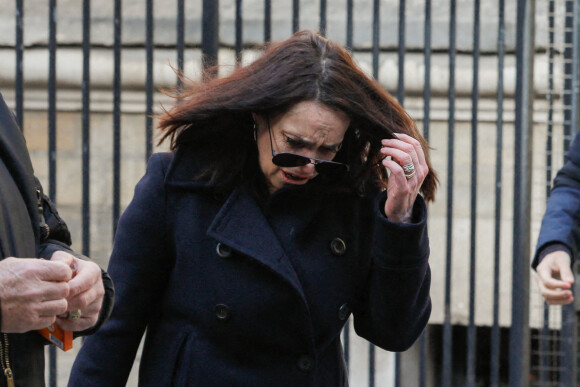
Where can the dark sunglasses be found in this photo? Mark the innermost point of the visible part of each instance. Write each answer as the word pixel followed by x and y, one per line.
pixel 287 159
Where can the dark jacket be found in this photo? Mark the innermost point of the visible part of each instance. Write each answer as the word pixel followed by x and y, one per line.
pixel 21 236
pixel 561 222
pixel 235 295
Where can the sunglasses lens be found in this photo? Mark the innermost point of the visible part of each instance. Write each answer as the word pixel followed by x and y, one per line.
pixel 290 160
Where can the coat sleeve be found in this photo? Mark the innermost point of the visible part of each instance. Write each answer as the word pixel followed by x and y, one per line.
pixel 561 221
pixel 395 304
pixel 139 265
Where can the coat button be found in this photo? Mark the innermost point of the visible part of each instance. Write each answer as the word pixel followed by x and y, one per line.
pixel 343 312
pixel 338 247
pixel 305 363
pixel 223 251
pixel 222 312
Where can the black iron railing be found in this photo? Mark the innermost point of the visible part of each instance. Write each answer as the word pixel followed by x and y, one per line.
pixel 437 349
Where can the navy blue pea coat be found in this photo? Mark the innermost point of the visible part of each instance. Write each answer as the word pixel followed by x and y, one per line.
pixel 233 294
pixel 561 221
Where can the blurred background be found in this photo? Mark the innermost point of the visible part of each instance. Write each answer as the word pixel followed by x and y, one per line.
pixel 492 84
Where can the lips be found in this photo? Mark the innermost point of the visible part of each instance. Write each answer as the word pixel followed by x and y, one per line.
pixel 291 178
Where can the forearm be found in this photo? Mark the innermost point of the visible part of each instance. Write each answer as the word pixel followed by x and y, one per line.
pixel 396 305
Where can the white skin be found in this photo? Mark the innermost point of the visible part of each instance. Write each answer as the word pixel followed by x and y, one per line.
pixel 315 130
pixel 555 278
pixel 35 292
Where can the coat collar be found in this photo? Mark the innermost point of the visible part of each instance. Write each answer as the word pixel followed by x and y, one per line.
pixel 241 225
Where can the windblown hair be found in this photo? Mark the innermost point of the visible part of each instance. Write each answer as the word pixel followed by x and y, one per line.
pixel 214 116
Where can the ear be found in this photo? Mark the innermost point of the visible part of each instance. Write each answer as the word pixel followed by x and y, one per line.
pixel 259 120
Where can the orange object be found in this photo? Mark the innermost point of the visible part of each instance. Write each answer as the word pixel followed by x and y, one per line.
pixel 58 336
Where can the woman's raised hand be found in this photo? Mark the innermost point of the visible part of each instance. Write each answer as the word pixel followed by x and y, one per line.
pixel 408 170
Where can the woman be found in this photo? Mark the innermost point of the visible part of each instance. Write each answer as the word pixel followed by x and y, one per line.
pixel 245 250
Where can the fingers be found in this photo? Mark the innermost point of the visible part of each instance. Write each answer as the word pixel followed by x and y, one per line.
pixel 50 291
pixel 66 258
pixel 51 270
pixel 405 150
pixel 554 277
pixel 88 297
pixel 89 317
pixel 33 292
pixel 555 295
pixel 52 309
pixel 88 275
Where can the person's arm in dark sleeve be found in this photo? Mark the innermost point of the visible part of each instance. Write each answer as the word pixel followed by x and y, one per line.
pixel 396 304
pixel 559 237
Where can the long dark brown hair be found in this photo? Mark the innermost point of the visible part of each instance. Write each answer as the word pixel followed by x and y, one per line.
pixel 214 116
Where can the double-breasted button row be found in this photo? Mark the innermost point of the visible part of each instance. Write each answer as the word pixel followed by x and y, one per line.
pixel 222 312
pixel 343 312
pixel 223 251
pixel 338 247
pixel 305 363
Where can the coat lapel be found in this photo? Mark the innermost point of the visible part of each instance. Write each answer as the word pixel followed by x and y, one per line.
pixel 241 225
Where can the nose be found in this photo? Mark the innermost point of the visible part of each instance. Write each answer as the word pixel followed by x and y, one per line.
pixel 307 169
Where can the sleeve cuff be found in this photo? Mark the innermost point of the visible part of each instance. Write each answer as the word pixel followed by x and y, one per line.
pixel 404 244
pixel 550 248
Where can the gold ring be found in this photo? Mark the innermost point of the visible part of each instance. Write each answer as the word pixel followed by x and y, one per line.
pixel 410 175
pixel 74 314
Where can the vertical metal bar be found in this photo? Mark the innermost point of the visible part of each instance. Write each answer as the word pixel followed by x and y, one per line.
pixel 568 343
pixel 86 137
pixel 239 31
pixel 376 48
pixel 349 24
pixel 346 344
pixel 576 64
pixel 210 33
pixel 149 78
pixel 446 376
pixel 346 329
pixel 520 331
pixel 376 37
pixel 52 99
pixel 495 331
pixel 544 339
pixel 52 357
pixel 295 15
pixel 267 20
pixel 322 23
pixel 19 81
pixel 181 40
pixel 401 99
pixel 471 330
pixel 569 68
pixel 118 24
pixel 426 122
pixel 371 365
pixel 427 73
pixel 401 53
pixel 575 13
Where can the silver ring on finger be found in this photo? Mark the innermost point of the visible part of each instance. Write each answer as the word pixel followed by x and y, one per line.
pixel 409 168
pixel 410 175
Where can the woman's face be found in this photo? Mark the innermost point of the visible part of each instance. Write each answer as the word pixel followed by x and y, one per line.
pixel 310 129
